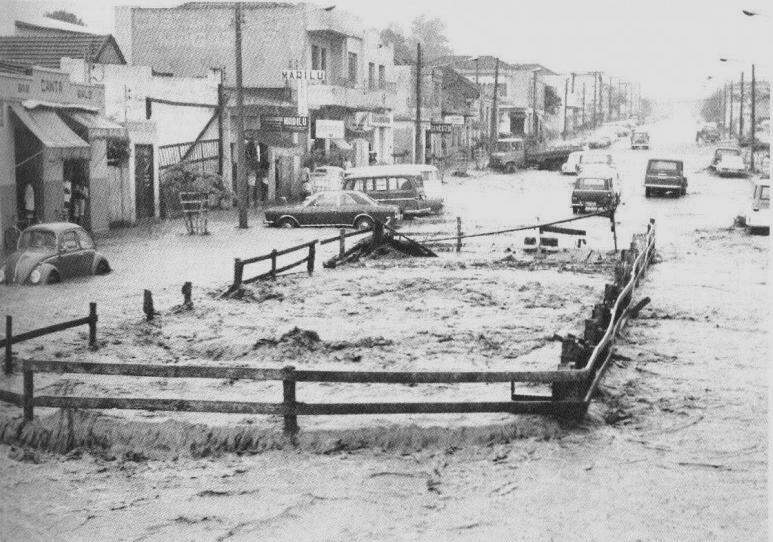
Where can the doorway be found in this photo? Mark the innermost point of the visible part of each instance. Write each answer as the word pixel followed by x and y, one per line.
pixel 144 189
pixel 76 192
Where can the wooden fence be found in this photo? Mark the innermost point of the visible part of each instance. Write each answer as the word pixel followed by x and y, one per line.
pixel 11 339
pixel 309 259
pixel 583 363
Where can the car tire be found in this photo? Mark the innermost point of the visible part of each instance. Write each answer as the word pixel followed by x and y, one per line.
pixel 53 278
pixel 103 268
pixel 286 222
pixel 363 223
pixel 683 192
pixel 510 167
pixel 647 193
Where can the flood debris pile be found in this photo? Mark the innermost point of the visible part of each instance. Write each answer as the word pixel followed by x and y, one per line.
pixel 385 243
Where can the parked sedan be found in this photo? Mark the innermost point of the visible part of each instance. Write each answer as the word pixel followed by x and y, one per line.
pixel 333 208
pixel 49 253
pixel 731 165
pixel 758 216
pixel 572 163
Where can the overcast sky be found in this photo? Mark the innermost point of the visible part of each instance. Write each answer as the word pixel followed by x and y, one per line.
pixel 669 46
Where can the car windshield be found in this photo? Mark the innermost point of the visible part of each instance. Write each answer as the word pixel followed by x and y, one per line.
pixel 722 153
pixel 664 166
pixel 765 192
pixel 37 239
pixel 505 146
pixel 591 184
pixel 362 199
pixel 640 135
pixel 595 159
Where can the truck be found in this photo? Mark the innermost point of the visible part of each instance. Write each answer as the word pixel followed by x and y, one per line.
pixel 512 153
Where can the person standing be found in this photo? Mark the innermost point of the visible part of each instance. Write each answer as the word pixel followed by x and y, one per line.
pixel 29 204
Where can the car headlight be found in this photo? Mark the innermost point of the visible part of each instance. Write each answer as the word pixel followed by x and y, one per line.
pixel 35 276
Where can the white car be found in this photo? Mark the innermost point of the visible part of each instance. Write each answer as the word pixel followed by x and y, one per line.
pixel 326 178
pixel 758 216
pixel 570 166
pixel 588 158
pixel 731 164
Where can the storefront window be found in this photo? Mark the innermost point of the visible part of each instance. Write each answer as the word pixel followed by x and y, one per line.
pixel 352 67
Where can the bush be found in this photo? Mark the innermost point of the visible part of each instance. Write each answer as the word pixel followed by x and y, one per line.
pixel 181 178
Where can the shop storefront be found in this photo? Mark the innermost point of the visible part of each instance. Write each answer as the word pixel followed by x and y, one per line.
pixel 53 147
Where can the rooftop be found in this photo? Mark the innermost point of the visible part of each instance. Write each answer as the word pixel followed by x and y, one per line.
pixel 46 50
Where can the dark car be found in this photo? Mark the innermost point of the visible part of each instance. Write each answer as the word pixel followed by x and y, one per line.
pixel 49 253
pixel 332 208
pixel 595 188
pixel 663 176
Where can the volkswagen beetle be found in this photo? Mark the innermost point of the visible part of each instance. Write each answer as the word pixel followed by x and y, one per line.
pixel 49 253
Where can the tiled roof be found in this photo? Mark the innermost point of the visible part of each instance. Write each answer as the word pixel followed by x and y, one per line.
pixel 47 50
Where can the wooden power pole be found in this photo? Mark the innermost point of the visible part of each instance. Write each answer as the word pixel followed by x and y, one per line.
pixel 417 126
pixel 494 112
pixel 752 121
pixel 241 169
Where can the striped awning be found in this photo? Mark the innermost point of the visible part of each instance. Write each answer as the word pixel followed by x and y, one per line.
pixel 52 132
pixel 96 125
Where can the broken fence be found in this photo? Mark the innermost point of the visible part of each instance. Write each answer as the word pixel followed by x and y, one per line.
pixel 583 363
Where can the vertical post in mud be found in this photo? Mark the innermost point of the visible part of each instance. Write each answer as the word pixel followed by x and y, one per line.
pixel 93 325
pixel 238 271
pixel 614 230
pixel 341 243
pixel 310 259
pixel 288 401
pixel 378 233
pixel 273 264
pixel 8 343
pixel 28 398
pixel 458 234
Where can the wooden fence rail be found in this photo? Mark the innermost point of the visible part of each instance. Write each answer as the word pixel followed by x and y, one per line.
pixel 11 338
pixel 573 383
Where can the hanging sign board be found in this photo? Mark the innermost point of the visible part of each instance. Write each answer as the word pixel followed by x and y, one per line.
pixel 456 120
pixel 440 128
pixel 284 123
pixel 328 129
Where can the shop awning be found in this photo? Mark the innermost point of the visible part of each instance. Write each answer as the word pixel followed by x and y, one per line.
pixel 52 132
pixel 97 125
pixel 342 144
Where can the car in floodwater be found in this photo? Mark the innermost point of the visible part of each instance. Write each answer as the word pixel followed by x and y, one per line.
pixel 333 208
pixel 731 165
pixel 640 139
pixel 758 215
pixel 415 189
pixel 53 252
pixel 594 158
pixel 721 153
pixel 572 163
pixel 664 176
pixel 596 188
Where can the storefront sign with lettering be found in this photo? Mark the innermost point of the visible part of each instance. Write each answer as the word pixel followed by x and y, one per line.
pixel 293 123
pixel 440 128
pixel 311 75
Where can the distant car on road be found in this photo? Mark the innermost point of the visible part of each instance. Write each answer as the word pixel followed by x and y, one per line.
pixel 600 142
pixel 708 133
pixel 571 165
pixel 720 153
pixel 50 253
pixel 731 165
pixel 590 158
pixel 663 176
pixel 758 216
pixel 640 139
pixel 332 208
pixel 596 188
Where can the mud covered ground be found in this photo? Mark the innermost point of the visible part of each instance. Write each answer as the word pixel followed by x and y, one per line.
pixel 673 448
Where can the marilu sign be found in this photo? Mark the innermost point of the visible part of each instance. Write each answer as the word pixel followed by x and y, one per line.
pixel 310 75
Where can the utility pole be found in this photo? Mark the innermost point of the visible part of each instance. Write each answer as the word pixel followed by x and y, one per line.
pixel 480 95
pixel 574 109
pixel 752 121
pixel 583 105
pixel 609 99
pixel 731 109
pixel 241 169
pixel 740 112
pixel 601 97
pixel 534 118
pixel 417 128
pixel 724 107
pixel 595 99
pixel 566 96
pixel 494 112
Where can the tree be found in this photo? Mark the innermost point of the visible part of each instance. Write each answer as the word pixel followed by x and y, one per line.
pixel 429 31
pixel 66 16
pixel 552 100
pixel 711 110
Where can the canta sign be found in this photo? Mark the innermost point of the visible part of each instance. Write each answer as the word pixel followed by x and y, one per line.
pixel 310 75
pixel 282 123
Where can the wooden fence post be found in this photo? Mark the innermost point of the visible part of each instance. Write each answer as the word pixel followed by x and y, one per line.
pixel 458 234
pixel 378 233
pixel 342 243
pixel 273 264
pixel 28 398
pixel 288 401
pixel 310 260
pixel 93 325
pixel 238 272
pixel 187 291
pixel 8 343
pixel 147 305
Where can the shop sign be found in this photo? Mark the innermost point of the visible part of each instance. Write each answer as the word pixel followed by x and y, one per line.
pixel 310 75
pixel 328 129
pixel 359 121
pixel 440 128
pixel 379 119
pixel 456 120
pixel 284 123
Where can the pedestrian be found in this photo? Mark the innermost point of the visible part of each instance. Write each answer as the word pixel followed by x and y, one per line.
pixel 29 204
pixel 306 185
